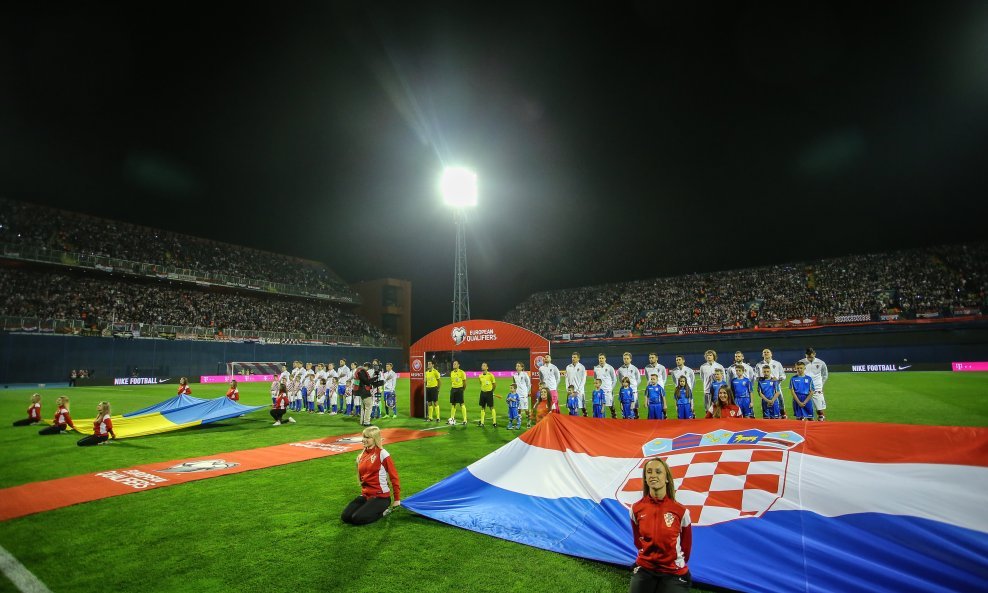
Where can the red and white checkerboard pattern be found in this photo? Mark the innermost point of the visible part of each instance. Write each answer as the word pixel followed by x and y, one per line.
pixel 718 486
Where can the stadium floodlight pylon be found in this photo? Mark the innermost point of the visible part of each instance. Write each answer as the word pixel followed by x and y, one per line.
pixel 459 189
pixel 255 368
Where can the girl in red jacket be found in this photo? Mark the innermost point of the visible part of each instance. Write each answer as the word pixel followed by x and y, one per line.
pixel 102 427
pixel 33 412
pixel 375 468
pixel 62 421
pixel 724 406
pixel 663 534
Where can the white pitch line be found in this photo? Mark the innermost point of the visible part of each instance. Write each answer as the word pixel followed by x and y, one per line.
pixel 22 578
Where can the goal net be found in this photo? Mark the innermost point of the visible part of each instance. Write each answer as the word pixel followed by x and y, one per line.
pixel 253 368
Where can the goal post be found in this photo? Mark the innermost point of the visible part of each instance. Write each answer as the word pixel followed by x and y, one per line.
pixel 240 367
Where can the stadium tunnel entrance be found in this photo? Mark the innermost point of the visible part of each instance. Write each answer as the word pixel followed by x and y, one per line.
pixel 473 336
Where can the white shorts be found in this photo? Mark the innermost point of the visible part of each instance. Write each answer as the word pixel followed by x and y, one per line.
pixel 608 399
pixel 522 401
pixel 819 403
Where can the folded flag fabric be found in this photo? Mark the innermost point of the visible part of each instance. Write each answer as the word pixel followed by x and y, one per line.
pixel 777 506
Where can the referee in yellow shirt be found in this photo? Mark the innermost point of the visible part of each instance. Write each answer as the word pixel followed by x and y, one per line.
pixel 432 392
pixel 457 382
pixel 487 384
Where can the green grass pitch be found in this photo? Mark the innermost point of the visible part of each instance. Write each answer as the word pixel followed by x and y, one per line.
pixel 278 529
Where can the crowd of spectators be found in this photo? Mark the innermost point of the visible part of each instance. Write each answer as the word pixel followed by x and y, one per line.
pixel 98 299
pixel 58 230
pixel 930 281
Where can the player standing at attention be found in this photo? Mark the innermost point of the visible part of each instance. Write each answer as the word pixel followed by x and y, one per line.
pixel 778 374
pixel 514 418
pixel 608 379
pixel 274 389
pixel 655 397
pixel 598 399
pixel 684 400
pixel 654 368
pixel 332 397
pixel 681 370
pixel 816 369
pixel 309 389
pixel 432 383
pixel 748 370
pixel 390 378
pixel 627 396
pixel 707 376
pixel 353 391
pixel 487 385
pixel 285 375
pixel 457 385
pixel 523 384
pixel 633 375
pixel 576 377
pixel 770 395
pixel 741 389
pixel 342 381
pixel 550 378
pixel 33 412
pixel 801 386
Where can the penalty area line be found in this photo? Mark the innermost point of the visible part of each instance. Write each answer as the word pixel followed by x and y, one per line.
pixel 19 575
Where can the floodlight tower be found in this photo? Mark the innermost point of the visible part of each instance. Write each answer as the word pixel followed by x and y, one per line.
pixel 459 190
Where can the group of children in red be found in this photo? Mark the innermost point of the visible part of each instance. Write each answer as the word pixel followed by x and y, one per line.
pixel 62 422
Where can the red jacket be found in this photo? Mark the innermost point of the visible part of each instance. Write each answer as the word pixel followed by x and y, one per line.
pixel 663 535
pixel 103 427
pixel 34 412
pixel 184 389
pixel 233 393
pixel 375 466
pixel 62 417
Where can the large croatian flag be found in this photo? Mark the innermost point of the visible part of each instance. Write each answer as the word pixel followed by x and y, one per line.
pixel 777 506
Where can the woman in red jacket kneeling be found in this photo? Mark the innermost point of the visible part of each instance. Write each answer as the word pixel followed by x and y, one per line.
pixel 375 468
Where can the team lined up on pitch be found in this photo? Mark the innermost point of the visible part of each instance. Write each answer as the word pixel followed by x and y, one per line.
pixel 727 392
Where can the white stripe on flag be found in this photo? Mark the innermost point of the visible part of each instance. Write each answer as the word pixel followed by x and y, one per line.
pixel 952 494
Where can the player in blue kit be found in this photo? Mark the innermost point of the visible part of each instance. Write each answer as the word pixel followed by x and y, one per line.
pixel 684 400
pixel 627 397
pixel 514 401
pixel 742 388
pixel 802 393
pixel 655 396
pixel 572 400
pixel 598 399
pixel 770 393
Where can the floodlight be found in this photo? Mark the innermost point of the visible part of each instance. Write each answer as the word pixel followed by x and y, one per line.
pixel 459 187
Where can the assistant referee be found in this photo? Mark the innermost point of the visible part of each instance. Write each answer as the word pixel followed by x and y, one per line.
pixel 432 392
pixel 457 382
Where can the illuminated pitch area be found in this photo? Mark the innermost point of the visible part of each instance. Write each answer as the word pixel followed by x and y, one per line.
pixel 246 531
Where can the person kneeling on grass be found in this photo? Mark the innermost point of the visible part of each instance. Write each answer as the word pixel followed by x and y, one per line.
pixel 375 494
pixel 63 419
pixel 280 406
pixel 102 427
pixel 33 412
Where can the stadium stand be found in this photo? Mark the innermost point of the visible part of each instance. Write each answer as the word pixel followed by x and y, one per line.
pixel 942 281
pixel 94 300
pixel 39 233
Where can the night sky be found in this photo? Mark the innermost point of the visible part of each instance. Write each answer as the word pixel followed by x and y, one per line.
pixel 638 140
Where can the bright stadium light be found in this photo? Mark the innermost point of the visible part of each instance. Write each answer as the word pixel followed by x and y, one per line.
pixel 459 187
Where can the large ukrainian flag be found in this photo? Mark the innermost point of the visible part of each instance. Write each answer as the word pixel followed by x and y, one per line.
pixel 181 411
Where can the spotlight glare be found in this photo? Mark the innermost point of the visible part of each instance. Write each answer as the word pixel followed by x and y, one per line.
pixel 459 187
